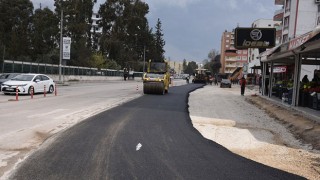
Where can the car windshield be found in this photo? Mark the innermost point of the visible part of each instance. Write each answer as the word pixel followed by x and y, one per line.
pixel 151 75
pixel 23 77
pixel 225 80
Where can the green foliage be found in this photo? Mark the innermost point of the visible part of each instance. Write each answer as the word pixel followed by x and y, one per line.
pixel 97 61
pixel 191 68
pixel 159 43
pixel 126 34
pixel 35 35
pixel 15 20
pixel 213 64
pixel 184 65
pixel 44 34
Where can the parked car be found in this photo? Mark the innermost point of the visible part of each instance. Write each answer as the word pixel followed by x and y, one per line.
pixel 6 77
pixel 225 83
pixel 25 83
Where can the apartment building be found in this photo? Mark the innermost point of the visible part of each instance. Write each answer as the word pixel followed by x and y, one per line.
pixel 231 58
pixel 297 17
pixel 96 31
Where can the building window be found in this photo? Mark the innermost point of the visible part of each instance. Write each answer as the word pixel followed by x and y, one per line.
pixel 227 40
pixel 227 35
pixel 227 46
pixel 245 52
pixel 285 38
pixel 288 4
pixel 97 16
pixel 244 58
pixel 238 57
pixel 239 52
pixel 286 23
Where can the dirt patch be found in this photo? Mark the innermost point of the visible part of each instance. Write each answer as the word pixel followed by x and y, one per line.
pixel 301 127
pixel 304 162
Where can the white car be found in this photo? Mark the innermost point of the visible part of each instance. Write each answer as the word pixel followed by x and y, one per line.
pixel 25 83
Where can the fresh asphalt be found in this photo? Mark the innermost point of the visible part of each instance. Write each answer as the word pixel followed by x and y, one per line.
pixel 148 138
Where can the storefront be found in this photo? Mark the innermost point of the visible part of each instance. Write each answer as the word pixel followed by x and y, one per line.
pixel 282 71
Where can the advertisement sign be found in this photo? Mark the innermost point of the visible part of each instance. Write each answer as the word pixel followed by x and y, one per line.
pixel 280 69
pixel 255 38
pixel 66 48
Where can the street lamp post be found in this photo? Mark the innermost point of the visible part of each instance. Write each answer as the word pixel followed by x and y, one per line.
pixel 144 57
pixel 61 41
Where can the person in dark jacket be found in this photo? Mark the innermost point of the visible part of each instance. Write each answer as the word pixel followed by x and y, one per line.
pixel 243 83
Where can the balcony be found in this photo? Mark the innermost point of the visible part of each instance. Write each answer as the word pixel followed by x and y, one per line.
pixel 278 15
pixel 279 2
pixel 231 65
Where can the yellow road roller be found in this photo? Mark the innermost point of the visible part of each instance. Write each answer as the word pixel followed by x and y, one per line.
pixel 157 78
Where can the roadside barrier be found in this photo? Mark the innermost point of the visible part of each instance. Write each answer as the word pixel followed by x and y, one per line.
pixel 44 91
pixel 17 94
pixel 32 92
pixel 55 89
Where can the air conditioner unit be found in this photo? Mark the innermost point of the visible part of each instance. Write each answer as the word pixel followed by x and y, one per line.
pixel 317 1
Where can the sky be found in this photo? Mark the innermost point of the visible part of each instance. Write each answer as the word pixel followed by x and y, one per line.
pixel 192 28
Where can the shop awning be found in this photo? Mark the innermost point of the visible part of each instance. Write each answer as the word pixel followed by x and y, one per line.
pixel 307 44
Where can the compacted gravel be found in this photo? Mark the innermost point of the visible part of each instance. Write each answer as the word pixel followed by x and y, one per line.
pixel 246 128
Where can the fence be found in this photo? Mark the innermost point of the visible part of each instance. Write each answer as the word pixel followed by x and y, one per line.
pixel 9 66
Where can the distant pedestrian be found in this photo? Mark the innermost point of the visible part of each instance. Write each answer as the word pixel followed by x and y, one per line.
pixel 243 83
pixel 260 84
pixel 305 79
pixel 216 81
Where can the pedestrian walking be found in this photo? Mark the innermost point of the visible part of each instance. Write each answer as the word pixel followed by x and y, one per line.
pixel 243 85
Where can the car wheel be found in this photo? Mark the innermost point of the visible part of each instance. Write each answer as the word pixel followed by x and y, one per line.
pixel 51 89
pixel 29 90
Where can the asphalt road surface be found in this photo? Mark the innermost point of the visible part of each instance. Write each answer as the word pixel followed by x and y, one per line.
pixel 148 138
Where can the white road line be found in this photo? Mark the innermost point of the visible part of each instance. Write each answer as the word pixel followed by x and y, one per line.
pixel 138 147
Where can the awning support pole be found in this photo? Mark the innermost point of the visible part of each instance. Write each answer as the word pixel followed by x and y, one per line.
pixel 296 82
pixel 270 81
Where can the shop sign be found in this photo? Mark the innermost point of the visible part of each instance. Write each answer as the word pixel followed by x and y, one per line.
pixel 254 38
pixel 280 69
pixel 296 42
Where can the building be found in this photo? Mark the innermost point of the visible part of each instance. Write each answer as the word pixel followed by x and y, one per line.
pixel 176 66
pixel 96 31
pixel 231 58
pixel 297 17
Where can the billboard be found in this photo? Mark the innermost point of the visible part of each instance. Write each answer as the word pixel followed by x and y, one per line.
pixel 66 48
pixel 255 38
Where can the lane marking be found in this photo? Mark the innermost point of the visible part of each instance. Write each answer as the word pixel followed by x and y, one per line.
pixel 138 147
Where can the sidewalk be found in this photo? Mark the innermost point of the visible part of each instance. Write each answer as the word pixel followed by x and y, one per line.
pixel 304 111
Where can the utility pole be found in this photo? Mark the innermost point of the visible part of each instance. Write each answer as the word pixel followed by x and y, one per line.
pixel 61 43
pixel 144 57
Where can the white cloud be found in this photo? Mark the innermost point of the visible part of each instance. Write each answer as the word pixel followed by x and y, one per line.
pixel 173 3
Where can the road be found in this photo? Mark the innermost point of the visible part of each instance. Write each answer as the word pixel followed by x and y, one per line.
pixel 26 123
pixel 147 138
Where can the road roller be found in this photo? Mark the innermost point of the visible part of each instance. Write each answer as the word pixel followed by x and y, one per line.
pixel 157 78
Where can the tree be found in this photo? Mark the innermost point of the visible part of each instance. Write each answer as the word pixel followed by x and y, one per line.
pixel 213 63
pixel 77 25
pixel 184 65
pixel 159 43
pixel 125 30
pixel 191 68
pixel 15 22
pixel 44 34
